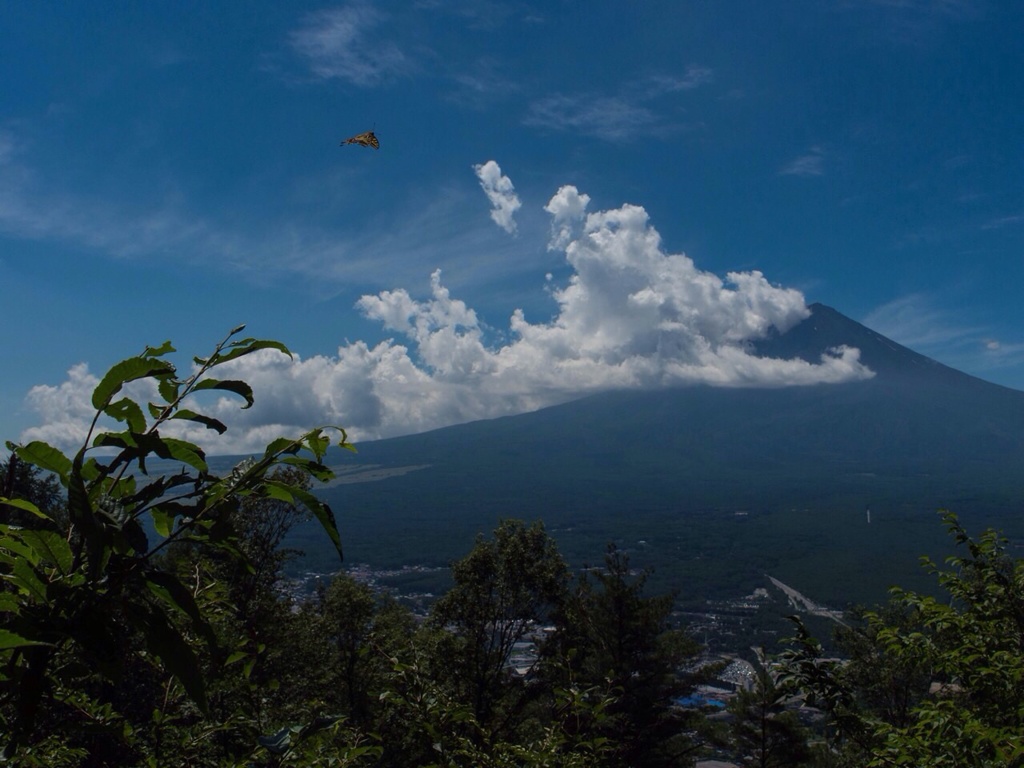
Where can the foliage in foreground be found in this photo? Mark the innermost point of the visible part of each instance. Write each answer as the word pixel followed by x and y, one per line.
pixel 930 681
pixel 90 611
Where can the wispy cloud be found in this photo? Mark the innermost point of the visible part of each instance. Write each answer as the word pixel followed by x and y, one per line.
pixel 927 325
pixel 808 164
pixel 630 316
pixel 626 116
pixel 438 229
pixel 695 76
pixel 341 44
pixel 502 194
pixel 1004 221
pixel 605 117
pixel 998 354
pixel 914 22
pixel 482 84
pixel 916 321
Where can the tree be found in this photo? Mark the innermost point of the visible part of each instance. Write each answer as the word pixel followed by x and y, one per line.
pixel 21 480
pixel 84 604
pixel 612 636
pixel 358 630
pixel 502 589
pixel 969 644
pixel 764 733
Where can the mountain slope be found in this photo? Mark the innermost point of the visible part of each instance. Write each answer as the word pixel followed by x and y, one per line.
pixel 917 436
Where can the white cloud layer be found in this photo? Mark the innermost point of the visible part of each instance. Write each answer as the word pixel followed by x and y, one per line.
pixel 502 194
pixel 631 316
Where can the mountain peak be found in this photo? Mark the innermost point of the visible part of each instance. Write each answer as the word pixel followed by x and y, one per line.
pixel 827 329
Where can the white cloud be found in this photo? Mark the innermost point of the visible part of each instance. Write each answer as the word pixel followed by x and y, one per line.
pixel 630 316
pixel 567 209
pixel 66 410
pixel 499 190
pixel 338 44
pixel 809 164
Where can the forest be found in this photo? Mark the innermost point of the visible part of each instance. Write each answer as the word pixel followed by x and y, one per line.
pixel 142 623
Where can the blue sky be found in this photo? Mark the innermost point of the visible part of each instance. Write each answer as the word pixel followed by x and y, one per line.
pixel 168 171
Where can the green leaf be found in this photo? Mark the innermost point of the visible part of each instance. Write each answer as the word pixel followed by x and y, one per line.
pixel 168 387
pixel 127 411
pixel 24 577
pixel 163 521
pixel 247 346
pixel 320 471
pixel 127 370
pixel 320 510
pixel 177 657
pixel 50 546
pixel 92 469
pixel 281 445
pixel 138 445
pixel 169 589
pixel 26 506
pixel 278 743
pixel 163 349
pixel 11 542
pixel 184 451
pixel 206 421
pixel 46 457
pixel 240 388
pixel 81 514
pixel 9 603
pixel 10 640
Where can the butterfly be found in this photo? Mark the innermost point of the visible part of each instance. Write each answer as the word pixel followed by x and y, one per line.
pixel 364 140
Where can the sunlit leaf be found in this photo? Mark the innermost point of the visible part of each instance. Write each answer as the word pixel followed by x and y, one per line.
pixel 127 410
pixel 127 370
pixel 168 387
pixel 10 640
pixel 163 521
pixel 163 349
pixel 186 452
pixel 46 457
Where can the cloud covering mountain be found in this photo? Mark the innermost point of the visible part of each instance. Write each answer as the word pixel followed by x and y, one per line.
pixel 630 316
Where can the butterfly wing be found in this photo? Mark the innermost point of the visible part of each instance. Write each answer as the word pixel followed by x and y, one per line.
pixel 364 140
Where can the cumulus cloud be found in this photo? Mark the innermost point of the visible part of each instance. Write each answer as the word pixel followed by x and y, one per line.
pixel 338 44
pixel 630 316
pixel 66 410
pixel 502 194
